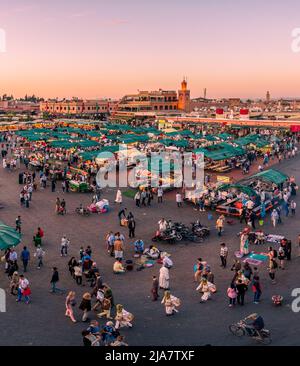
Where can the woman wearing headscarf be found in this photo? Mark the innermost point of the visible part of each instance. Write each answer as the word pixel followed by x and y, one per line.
pixel 123 318
pixel 109 333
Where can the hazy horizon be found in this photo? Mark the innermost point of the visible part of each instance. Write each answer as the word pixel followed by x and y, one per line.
pixel 112 99
pixel 99 49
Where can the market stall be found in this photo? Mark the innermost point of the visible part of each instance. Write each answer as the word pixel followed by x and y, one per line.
pixel 267 180
pixel 78 180
pixel 234 197
pixel 221 157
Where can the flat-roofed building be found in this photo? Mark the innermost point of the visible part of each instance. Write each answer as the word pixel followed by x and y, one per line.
pixel 147 101
pixel 159 101
pixel 18 106
pixel 75 107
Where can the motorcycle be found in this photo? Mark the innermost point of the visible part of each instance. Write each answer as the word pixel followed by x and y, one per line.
pixel 169 236
pixel 239 330
pixel 199 229
pixel 187 233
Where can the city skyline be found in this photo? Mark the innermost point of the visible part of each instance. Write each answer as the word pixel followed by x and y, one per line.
pixel 229 47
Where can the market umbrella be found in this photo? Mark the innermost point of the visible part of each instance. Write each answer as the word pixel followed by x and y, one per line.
pixel 8 237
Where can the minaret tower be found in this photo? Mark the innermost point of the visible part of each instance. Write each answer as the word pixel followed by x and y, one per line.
pixel 184 97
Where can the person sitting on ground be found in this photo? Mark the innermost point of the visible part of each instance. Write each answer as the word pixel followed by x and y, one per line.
pixel 139 246
pixel 152 252
pixel 94 328
pixel 118 267
pixel 109 333
pixel 89 339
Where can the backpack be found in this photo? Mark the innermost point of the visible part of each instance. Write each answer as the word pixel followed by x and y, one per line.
pixel 275 253
pixel 275 264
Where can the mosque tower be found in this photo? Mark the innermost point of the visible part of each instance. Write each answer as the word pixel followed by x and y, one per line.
pixel 184 97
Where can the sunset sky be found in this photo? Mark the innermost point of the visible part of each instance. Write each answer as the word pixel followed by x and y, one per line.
pixel 97 48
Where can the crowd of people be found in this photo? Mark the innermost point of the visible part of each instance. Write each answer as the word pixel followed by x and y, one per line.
pixel 99 302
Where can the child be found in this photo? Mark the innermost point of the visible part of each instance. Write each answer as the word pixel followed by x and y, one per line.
pixel 232 294
pixel 293 207
pixel 260 237
pixel 154 289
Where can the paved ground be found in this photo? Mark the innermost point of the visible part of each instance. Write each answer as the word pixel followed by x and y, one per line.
pixel 43 321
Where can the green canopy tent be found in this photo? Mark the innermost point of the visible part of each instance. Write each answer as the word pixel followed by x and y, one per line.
pixel 177 143
pixel 74 130
pixel 220 151
pixel 8 237
pixel 180 133
pixel 209 138
pixel 244 189
pixel 88 143
pixel 249 139
pixel 138 130
pixel 112 137
pixel 172 134
pixel 131 139
pixel 200 136
pixel 60 135
pixel 224 136
pixel 154 132
pixel 260 143
pixel 91 155
pixel 270 176
pixel 104 155
pixel 33 138
pixel 118 127
pixel 186 133
pixel 113 148
pixel 63 144
pixel 93 133
pixel 102 130
pixel 158 165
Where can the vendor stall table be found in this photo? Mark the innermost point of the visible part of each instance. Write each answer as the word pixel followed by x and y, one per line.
pixel 76 186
